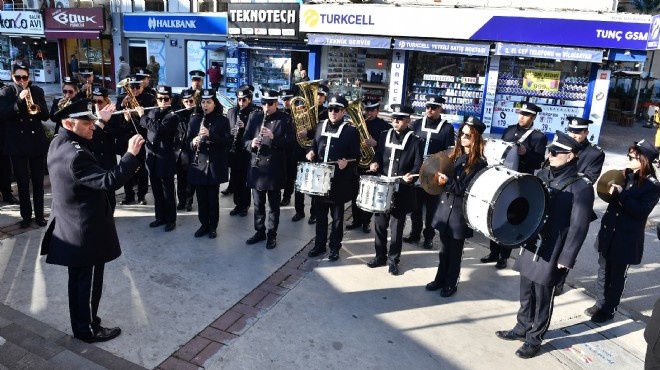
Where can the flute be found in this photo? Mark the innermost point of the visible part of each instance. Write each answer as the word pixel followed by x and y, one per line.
pixel 131 110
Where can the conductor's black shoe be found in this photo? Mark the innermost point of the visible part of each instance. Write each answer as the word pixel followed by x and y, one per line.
pixel 312 220
pixel 234 211
pixel 527 350
pixel 353 225
pixel 334 255
pixel 226 192
pixel 156 223
pixel 377 262
pixel 9 199
pixel 410 238
pixel 315 252
pixel 213 234
pixel 203 230
pixel 592 310
pixel 180 207
pixel 25 223
pixel 428 244
pixel 509 335
pixel 256 238
pixel 126 202
pixel 271 242
pixel 601 317
pixel 285 201
pixel 297 217
pixel 189 207
pixel 40 222
pixel 243 212
pixel 101 335
pixel 170 227
pixel 490 257
pixel 448 291
pixel 501 263
pixel 142 202
pixel 366 228
pixel 433 286
pixel 393 269
pixel 559 290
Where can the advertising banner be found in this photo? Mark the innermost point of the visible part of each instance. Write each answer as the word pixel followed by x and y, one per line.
pixel 75 19
pixel 215 24
pixel 21 22
pixel 271 20
pixel 536 79
pixel 349 41
pixel 653 41
pixel 549 52
pixel 442 47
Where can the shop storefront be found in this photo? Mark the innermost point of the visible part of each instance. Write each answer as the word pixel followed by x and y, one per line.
pixel 80 31
pixel 22 40
pixel 195 39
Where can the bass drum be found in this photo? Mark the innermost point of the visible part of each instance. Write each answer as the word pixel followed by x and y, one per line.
pixel 508 207
pixel 500 152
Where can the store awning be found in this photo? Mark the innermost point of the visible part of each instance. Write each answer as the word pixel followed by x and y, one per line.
pixel 626 55
pixel 72 34
pixel 643 75
pixel 272 46
pixel 442 47
pixel 214 47
pixel 549 52
pixel 349 41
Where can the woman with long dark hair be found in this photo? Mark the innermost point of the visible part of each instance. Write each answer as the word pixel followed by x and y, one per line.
pixel 620 241
pixel 449 218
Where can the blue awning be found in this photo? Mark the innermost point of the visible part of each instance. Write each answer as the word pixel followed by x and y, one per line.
pixel 620 55
pixel 349 41
pixel 281 46
pixel 214 47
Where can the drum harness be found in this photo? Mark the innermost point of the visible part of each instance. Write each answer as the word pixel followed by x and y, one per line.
pixel 330 136
pixel 395 147
pixel 429 132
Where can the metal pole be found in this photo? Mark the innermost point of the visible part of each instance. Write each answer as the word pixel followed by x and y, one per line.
pixel 639 85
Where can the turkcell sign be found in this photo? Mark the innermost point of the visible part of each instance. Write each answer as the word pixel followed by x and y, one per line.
pixel 653 42
pixel 180 23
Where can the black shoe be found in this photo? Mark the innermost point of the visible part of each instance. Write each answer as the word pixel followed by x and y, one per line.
pixel 312 220
pixel 180 207
pixel 189 207
pixel 40 222
pixel 9 199
pixel 234 211
pixel 527 350
pixel 315 252
pixel 203 230
pixel 243 213
pixel 410 238
pixel 353 225
pixel 25 223
pixel 127 202
pixel 271 242
pixel 591 310
pixel 226 192
pixel 377 262
pixel 297 217
pixel 256 238
pixel 169 227
pixel 366 228
pixel 285 201
pixel 559 290
pixel 601 317
pixel 156 223
pixel 142 202
pixel 501 263
pixel 448 291
pixel 213 234
pixel 102 335
pixel 433 286
pixel 428 244
pixel 490 257
pixel 334 255
pixel 393 269
pixel 509 335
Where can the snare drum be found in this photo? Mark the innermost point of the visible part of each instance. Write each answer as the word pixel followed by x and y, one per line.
pixel 376 194
pixel 500 152
pixel 508 207
pixel 314 178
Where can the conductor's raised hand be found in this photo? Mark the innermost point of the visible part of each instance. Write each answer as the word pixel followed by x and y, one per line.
pixel 135 143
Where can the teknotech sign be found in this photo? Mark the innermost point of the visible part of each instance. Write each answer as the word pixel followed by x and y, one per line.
pixel 177 23
pixel 263 20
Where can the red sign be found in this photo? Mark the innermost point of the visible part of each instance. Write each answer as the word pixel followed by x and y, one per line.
pixel 75 19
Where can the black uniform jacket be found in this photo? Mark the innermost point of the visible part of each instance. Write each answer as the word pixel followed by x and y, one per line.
pixel 267 168
pixel 449 217
pixel 161 125
pixel 376 127
pixel 566 228
pixel 104 142
pixel 51 114
pixel 212 167
pixel 240 156
pixel 439 141
pixel 535 144
pixel 145 100
pixel 81 229
pixel 181 149
pixel 347 145
pixel 25 133
pixel 590 160
pixel 621 234
pixel 408 160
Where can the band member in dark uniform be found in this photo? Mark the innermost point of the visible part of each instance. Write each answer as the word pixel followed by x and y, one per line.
pixel 184 190
pixel 85 90
pixel 542 264
pixel 375 126
pixel 449 218
pixel 323 92
pixel 69 95
pixel 209 138
pixel 25 141
pixel 298 154
pixel 81 233
pixel 652 336
pixel 267 135
pixel 104 141
pixel 144 75
pixel 131 122
pixel 399 154
pixel 161 125
pixel 437 135
pixel 338 142
pixel 239 156
pixel 531 152
pixel 620 241
pixel 291 159
pixel 5 159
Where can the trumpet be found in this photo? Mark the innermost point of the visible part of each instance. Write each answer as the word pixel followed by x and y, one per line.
pixel 132 100
pixel 89 91
pixel 257 158
pixel 64 102
pixel 32 108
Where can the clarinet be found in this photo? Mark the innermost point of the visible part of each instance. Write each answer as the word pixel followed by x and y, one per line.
pixel 195 161
pixel 232 149
pixel 257 158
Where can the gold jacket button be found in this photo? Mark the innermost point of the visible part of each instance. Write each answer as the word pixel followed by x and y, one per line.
pixel 207 161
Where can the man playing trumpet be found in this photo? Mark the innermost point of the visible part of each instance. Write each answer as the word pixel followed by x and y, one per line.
pixel 69 95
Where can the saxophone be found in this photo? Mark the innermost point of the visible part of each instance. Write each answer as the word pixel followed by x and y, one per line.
pixel 32 108
pixel 305 110
pixel 367 153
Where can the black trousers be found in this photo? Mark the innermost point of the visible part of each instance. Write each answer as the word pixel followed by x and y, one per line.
pixel 5 175
pixel 260 197
pixel 429 201
pixel 291 167
pixel 85 288
pixel 26 169
pixel 610 284
pixel 536 304
pixel 499 251
pixel 184 190
pixel 141 179
pixel 450 258
pixel 321 208
pixel 238 184
pixel 396 221
pixel 164 198
pixel 208 205
pixel 299 204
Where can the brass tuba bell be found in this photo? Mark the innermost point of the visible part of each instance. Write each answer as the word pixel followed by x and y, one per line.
pixel 305 109
pixel 367 153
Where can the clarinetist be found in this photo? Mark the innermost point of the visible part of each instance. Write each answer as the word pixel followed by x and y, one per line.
pixel 184 190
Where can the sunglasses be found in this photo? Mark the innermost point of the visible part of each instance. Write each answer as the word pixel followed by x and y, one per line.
pixel 432 107
pixel 242 99
pixel 466 135
pixel 68 91
pixel 335 109
pixel 138 87
pixel 555 152
pixel 164 99
pixel 189 101
pixel 97 101
pixel 631 157
pixel 21 77
pixel 268 102
pixel 370 109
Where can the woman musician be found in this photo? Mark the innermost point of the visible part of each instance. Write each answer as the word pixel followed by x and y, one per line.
pixel 69 92
pixel 209 139
pixel 184 190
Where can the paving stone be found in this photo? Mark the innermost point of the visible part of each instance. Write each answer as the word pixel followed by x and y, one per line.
pixel 277 278
pixel 4 322
pixel 254 297
pixel 69 360
pixel 242 325
pixel 32 362
pixel 269 301
pixel 30 323
pixel 273 288
pixel 291 281
pixel 30 341
pixel 10 354
pixel 192 348
pixel 245 309
pixel 219 336
pixel 173 363
pixel 96 354
pixel 207 352
pixel 226 320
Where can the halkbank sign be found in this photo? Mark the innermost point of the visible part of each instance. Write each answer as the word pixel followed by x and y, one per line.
pixel 215 24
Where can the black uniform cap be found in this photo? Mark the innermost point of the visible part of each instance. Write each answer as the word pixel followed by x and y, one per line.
pixel 99 91
pixel 143 72
pixel 164 90
pixel 81 109
pixel 197 74
pixel 269 95
pixel 529 108
pixel 337 101
pixel 86 71
pixel 401 111
pixel 564 143
pixel 69 81
pixel 133 80
pixel 187 93
pixel 247 86
pixel 476 123
pixel 286 94
pixel 371 103
pixel 208 94
pixel 434 100
pixel 323 90
pixel 244 92
pixel 646 148
pixel 577 124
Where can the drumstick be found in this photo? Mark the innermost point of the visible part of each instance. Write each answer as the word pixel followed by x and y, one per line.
pixel 334 162
pixel 400 177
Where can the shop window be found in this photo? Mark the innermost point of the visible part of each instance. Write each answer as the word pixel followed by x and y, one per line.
pixel 155 5
pixel 270 69
pixel 95 54
pixel 204 6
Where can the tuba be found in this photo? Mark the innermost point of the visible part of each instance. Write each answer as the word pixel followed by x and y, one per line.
pixel 356 115
pixel 305 109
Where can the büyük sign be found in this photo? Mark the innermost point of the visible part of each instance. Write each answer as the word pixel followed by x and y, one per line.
pixel 75 18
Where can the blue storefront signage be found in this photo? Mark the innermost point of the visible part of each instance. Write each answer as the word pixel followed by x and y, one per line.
pixel 349 41
pixel 442 47
pixel 654 34
pixel 549 52
pixel 178 23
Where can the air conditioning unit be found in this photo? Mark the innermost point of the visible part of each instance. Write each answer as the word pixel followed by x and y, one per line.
pixel 32 4
pixel 62 4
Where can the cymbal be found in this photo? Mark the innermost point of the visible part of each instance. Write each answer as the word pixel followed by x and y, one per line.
pixel 428 174
pixel 606 180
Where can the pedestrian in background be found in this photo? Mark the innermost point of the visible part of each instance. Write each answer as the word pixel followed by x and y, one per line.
pixel 154 67
pixel 73 67
pixel 122 71
pixel 215 75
